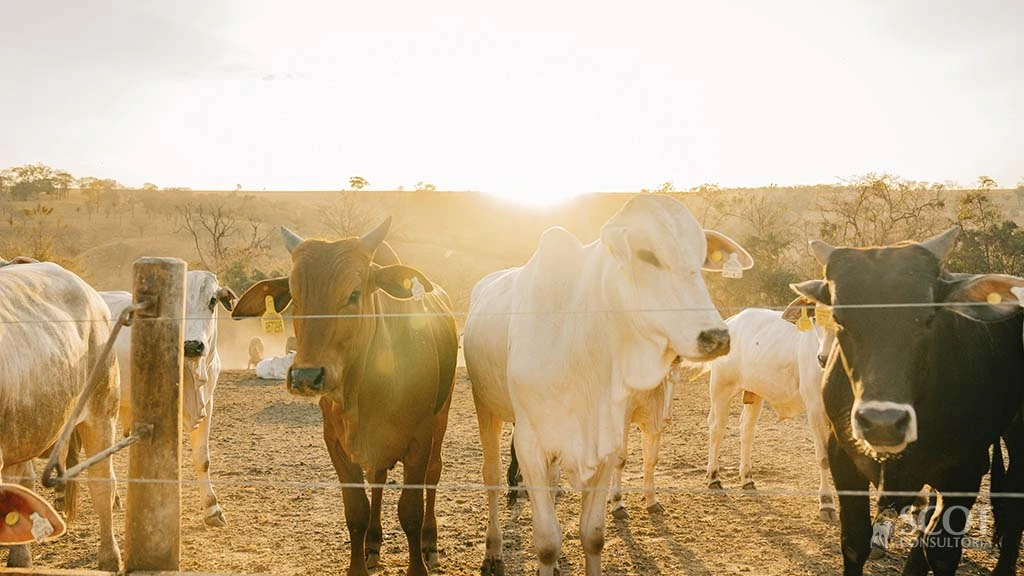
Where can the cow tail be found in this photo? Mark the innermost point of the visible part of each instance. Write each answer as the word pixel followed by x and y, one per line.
pixel 998 485
pixel 71 486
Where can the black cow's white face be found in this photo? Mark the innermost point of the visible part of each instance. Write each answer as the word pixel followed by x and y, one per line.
pixel 885 302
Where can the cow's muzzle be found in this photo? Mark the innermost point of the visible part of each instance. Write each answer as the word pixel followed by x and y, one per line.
pixel 306 381
pixel 194 348
pixel 886 426
pixel 713 343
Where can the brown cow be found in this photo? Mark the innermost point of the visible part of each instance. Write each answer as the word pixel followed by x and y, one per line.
pixel 377 342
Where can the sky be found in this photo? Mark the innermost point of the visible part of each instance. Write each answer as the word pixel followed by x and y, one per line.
pixel 534 101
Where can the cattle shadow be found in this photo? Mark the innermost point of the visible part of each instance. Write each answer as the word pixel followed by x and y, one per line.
pixel 255 382
pixel 292 414
pixel 638 556
pixel 687 561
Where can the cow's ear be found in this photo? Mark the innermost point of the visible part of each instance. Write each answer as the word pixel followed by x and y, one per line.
pixel 399 281
pixel 253 301
pixel 792 312
pixel 616 238
pixel 816 291
pixel 985 297
pixel 720 247
pixel 227 298
pixel 25 514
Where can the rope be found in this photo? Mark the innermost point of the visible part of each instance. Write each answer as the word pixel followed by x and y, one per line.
pixel 54 472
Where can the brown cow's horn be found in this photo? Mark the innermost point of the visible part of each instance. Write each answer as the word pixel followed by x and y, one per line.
pixel 942 244
pixel 821 251
pixel 373 238
pixel 291 239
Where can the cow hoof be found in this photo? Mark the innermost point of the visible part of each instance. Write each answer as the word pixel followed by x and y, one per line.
pixel 715 485
pixel 19 557
pixel 749 485
pixel 492 567
pixel 430 557
pixel 372 559
pixel 620 513
pixel 828 515
pixel 110 562
pixel 656 508
pixel 216 520
pixel 877 553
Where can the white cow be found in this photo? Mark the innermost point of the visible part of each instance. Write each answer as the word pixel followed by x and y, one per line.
pixel 256 348
pixel 275 367
pixel 202 369
pixel 560 345
pixel 770 359
pixel 54 327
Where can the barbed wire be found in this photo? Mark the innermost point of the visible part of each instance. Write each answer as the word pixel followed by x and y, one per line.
pixel 538 312
pixel 480 487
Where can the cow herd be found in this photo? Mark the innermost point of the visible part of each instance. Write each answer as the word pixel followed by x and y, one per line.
pixel 910 376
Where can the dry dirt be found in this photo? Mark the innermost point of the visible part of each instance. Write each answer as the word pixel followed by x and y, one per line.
pixel 267 445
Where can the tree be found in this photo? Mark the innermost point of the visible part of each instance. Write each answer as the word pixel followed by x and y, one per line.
pixel 96 190
pixel 150 187
pixel 347 216
pixel 1019 192
pixel 989 242
pixel 35 232
pixel 30 181
pixel 62 180
pixel 357 182
pixel 221 233
pixel 713 203
pixel 425 187
pixel 875 210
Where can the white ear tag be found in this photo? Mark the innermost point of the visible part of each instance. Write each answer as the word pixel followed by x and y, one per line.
pixel 417 289
pixel 732 267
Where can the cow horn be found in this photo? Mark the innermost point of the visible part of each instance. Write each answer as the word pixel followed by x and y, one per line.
pixel 942 244
pixel 374 237
pixel 821 251
pixel 291 239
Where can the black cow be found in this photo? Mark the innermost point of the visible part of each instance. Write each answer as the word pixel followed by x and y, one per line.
pixel 920 392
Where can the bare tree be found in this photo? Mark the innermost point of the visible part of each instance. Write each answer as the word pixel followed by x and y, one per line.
pixel 358 182
pixel 346 215
pixel 220 233
pixel 875 210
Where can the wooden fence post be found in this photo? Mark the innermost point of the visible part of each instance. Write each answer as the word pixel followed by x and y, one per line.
pixel 153 513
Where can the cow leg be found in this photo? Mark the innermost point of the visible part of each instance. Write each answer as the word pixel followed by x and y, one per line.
pixel 618 507
pixel 818 423
pixel 748 422
pixel 490 441
pixel 651 446
pixel 357 506
pixel 1011 517
pixel 97 435
pixel 721 393
pixel 199 438
pixel 854 510
pixel 375 533
pixel 592 519
pixel 410 503
pixel 434 467
pixel 943 538
pixel 537 475
pixel 20 556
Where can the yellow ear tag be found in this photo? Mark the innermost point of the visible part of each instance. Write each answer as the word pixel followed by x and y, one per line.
pixel 716 256
pixel 823 316
pixel 732 267
pixel 272 321
pixel 994 298
pixel 804 323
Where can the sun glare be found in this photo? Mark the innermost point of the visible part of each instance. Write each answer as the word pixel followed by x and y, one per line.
pixel 542 197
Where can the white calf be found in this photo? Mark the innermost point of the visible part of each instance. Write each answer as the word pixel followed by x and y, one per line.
pixel 771 360
pixel 202 369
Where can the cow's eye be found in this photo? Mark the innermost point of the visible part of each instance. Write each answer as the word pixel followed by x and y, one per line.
pixel 353 298
pixel 213 303
pixel 649 257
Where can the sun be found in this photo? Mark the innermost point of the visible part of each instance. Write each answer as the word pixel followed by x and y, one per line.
pixel 533 197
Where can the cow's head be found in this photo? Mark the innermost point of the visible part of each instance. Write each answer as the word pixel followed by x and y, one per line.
pixel 202 294
pixel 826 338
pixel 333 290
pixel 885 301
pixel 661 250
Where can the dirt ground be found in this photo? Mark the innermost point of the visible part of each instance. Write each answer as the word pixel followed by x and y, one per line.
pixel 272 474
